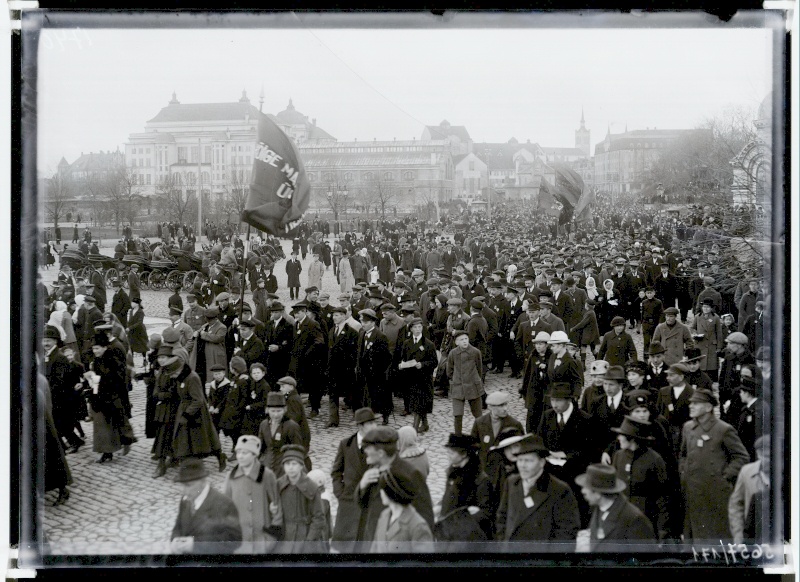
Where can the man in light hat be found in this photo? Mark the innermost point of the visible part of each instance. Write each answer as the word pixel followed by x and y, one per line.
pixel 737 354
pixel 562 367
pixel 673 335
pixel 347 469
pixel 208 520
pixel 488 427
pixel 616 524
pixel 555 517
pixel 711 457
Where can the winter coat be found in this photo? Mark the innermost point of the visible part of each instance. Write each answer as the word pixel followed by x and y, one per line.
pixel 293 270
pixel 469 486
pixel 315 271
pixel 195 434
pixel 209 349
pixel 674 340
pixel 617 349
pixel 214 525
pixel 464 367
pixel 137 332
pixel 346 278
pixel 625 528
pixel 710 460
pixel 252 493
pixel 712 341
pixel 303 517
pixel 646 483
pixel 288 433
pixel 408 534
pixel 348 467
pixel 418 382
pixel 586 331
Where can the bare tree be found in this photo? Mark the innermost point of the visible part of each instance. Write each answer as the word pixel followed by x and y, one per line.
pixel 234 195
pixel 60 191
pixel 122 195
pixel 336 191
pixel 174 201
pixel 385 192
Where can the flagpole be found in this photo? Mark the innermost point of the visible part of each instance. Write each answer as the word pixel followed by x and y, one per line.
pixel 244 271
pixel 199 194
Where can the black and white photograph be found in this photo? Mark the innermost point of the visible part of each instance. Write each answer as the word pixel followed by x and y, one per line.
pixel 352 288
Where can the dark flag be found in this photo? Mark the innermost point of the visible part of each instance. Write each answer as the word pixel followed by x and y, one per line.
pixel 279 188
pixel 551 196
pixel 583 211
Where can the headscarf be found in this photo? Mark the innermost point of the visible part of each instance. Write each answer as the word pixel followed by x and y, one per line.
pixel 407 445
pixel 591 288
pixel 609 292
pixel 57 318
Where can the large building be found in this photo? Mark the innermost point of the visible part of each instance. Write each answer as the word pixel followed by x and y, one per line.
pixel 621 160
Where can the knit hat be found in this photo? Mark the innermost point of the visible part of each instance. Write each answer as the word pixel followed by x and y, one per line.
pixel 398 485
pixel 238 365
pixel 248 442
pixel 293 453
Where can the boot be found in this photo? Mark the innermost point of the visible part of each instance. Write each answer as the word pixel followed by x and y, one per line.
pixel 416 422
pixel 161 470
pixel 425 427
pixel 223 462
pixel 457 424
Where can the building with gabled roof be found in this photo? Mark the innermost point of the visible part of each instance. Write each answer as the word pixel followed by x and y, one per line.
pixel 456 135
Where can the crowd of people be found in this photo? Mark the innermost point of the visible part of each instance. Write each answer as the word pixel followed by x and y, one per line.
pixel 620 449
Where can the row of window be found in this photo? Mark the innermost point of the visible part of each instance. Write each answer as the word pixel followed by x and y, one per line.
pixel 349 176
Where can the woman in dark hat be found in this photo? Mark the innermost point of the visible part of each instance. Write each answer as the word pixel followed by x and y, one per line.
pixel 166 400
pixel 708 337
pixel 467 486
pixel 400 528
pixel 644 473
pixel 137 332
pixel 437 319
pixel 106 381
pixel 195 434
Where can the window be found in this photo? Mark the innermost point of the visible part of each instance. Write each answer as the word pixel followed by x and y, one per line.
pixel 207 154
pixel 311 177
pixel 148 150
pixel 388 176
pixel 148 179
pixel 368 175
pixel 195 154
pixel 328 177
pixel 408 176
pixel 191 179
pixel 348 176
pixel 181 155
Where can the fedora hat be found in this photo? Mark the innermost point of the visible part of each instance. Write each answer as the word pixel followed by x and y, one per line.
pixel 532 443
pixel 560 390
pixel 615 373
pixel 191 470
pixel 601 478
pixel 692 354
pixel 507 441
pixel 702 395
pixel 462 441
pixel 634 429
pixel 655 348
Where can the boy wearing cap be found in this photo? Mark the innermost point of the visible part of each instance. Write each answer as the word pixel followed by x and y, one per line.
pixel 276 431
pixel 294 408
pixel 616 524
pixel 644 472
pixel 301 502
pixel 488 427
pixel 535 506
pixel 347 469
pixel 711 457
pixel 253 488
pixel 248 346
pixel 652 311
pixel 464 369
pixel 617 346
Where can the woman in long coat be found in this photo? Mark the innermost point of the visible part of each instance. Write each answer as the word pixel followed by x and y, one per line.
pixel 195 435
pixel 346 278
pixel 707 334
pixel 417 378
pixel 209 347
pixel 166 399
pixel 112 431
pixel 137 332
pixel 609 305
pixel 56 470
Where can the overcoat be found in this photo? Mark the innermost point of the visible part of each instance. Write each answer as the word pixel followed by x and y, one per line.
pixel 342 354
pixel 374 359
pixel 280 334
pixel 348 467
pixel 674 339
pixel 617 349
pixel 137 332
pixel 710 460
pixel 293 270
pixel 288 433
pixel 209 349
pixel 303 517
pixel 315 271
pixel 624 525
pixel 252 493
pixel 214 526
pixel 166 399
pixel 586 332
pixel 712 341
pixel 418 382
pixel 346 279
pixel 482 430
pixel 469 486
pixel 551 515
pixel 646 483
pixel 56 470
pixel 464 366
pixel 408 534
pixel 195 435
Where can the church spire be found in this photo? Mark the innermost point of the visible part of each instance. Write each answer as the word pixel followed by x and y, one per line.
pixel 583 122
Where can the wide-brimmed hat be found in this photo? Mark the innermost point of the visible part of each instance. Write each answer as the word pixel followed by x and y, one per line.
pixel 50 332
pixel 655 348
pixel 508 441
pixel 598 367
pixel 601 478
pixel 542 336
pixel 191 469
pixel 462 441
pixel 558 337
pixel 636 429
pixel 532 443
pixel 692 354
pixel 363 415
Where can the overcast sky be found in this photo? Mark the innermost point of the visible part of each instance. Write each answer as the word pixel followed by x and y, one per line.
pixel 98 86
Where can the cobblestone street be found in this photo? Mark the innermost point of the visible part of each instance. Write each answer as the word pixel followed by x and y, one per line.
pixel 118 508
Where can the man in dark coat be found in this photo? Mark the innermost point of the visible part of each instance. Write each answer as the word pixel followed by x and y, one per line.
pixel 562 367
pixel 208 521
pixel 278 342
pixel 340 371
pixel 535 507
pixel 616 524
pixel 750 425
pixel 65 400
pixel 737 354
pixel 248 346
pixel 348 467
pixel 617 347
pixel 293 270
pixel 673 401
pixel 308 356
pixel 372 365
pixel 487 428
pixel 134 284
pixel 710 460
pixel 608 411
pixel 120 303
pixel 666 286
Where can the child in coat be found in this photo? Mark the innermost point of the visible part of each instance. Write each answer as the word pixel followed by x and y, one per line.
pixel 303 513
pixel 318 477
pixel 216 393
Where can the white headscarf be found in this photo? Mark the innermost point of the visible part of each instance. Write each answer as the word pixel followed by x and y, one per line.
pixel 57 318
pixel 609 292
pixel 591 288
